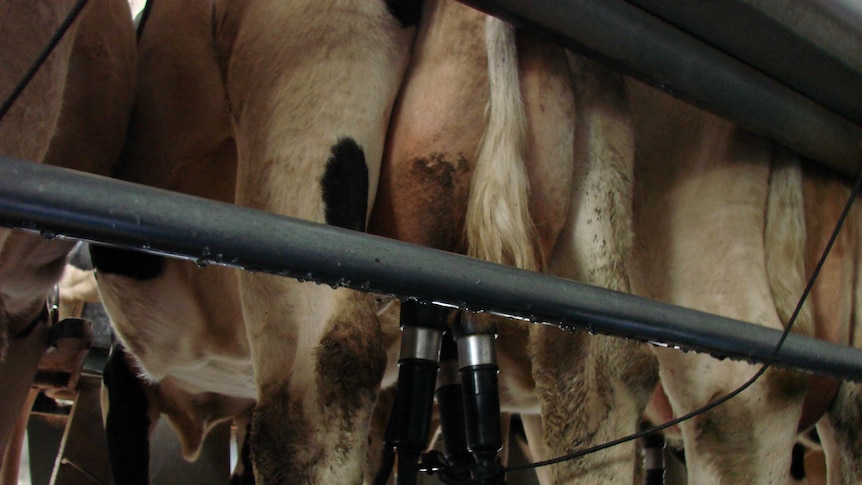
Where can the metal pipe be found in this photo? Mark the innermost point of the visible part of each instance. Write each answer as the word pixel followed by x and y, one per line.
pixel 848 11
pixel 421 343
pixel 654 51
pixel 654 463
pixel 56 201
pixel 746 31
pixel 477 349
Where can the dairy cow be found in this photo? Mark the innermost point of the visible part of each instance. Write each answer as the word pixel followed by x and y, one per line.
pixel 283 107
pixel 73 114
pixel 730 223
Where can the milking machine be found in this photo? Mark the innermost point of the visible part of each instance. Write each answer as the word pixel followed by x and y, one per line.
pixel 467 395
pixel 481 397
pixel 654 465
pixel 422 327
pixel 450 408
pixel 460 358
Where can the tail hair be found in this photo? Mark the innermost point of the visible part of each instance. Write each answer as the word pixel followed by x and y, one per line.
pixel 785 239
pixel 499 227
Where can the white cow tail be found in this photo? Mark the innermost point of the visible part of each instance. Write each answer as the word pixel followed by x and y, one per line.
pixel 784 239
pixel 499 227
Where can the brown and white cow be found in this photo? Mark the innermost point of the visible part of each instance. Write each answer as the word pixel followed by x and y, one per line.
pixel 280 106
pixel 836 310
pixel 73 114
pixel 729 223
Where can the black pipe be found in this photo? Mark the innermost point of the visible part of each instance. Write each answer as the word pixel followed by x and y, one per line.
pixel 64 202
pixel 750 34
pixel 409 424
pixel 654 51
pixel 410 421
pixel 450 405
pixel 477 362
pixel 654 463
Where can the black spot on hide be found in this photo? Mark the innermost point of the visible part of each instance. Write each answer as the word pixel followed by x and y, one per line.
pixel 125 262
pixel 407 12
pixel 345 186
pixel 127 424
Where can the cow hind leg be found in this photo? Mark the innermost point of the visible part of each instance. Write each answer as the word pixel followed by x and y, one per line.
pixel 594 388
pixel 25 133
pixel 311 85
pixel 841 436
pixel 311 430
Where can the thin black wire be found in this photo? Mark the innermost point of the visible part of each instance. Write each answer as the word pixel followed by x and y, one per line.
pixel 578 454
pixel 34 68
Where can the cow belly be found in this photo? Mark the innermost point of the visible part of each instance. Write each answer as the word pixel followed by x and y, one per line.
pixel 196 331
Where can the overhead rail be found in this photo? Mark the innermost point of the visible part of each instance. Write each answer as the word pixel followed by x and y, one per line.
pixel 765 95
pixel 751 33
pixel 59 202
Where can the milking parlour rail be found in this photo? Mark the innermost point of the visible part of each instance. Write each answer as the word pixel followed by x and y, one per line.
pixel 59 202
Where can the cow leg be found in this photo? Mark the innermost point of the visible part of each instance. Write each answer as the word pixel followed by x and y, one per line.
pixel 594 388
pixel 25 133
pixel 377 457
pixel 758 449
pixel 835 297
pixel 841 436
pixel 17 374
pixel 313 427
pixel 29 265
pixel 536 444
pixel 588 398
pixel 701 205
pixel 10 461
pixel 311 85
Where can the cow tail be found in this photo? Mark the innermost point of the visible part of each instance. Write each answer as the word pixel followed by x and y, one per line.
pixel 499 227
pixel 784 239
